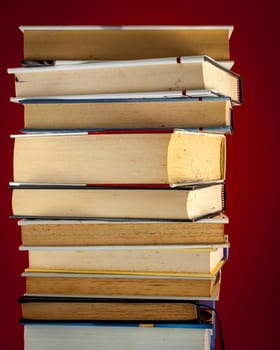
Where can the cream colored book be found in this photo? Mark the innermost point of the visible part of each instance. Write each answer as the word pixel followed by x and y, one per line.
pixel 88 232
pixel 162 74
pixel 117 203
pixel 162 157
pixel 128 111
pixel 166 259
pixel 124 42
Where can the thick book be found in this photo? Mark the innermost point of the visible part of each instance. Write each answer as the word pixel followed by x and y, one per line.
pixel 44 201
pixel 100 309
pixel 171 286
pixel 38 232
pixel 165 259
pixel 136 157
pixel 119 42
pixel 128 111
pixel 116 336
pixel 184 73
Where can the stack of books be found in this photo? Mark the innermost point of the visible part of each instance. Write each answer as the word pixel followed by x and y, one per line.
pixel 119 183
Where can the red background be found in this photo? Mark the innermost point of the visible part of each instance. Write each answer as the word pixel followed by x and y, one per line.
pixel 248 302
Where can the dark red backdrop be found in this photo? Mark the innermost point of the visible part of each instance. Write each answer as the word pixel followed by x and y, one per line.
pixel 248 303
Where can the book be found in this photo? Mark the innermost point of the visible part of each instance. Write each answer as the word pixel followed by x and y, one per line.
pixel 162 74
pixel 228 64
pixel 127 111
pixel 121 157
pixel 166 259
pixel 171 286
pixel 116 336
pixel 38 232
pixel 124 42
pixel 91 202
pixel 99 309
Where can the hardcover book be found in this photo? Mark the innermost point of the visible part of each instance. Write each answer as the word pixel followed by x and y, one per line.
pixel 45 201
pixel 116 336
pixel 36 232
pixel 166 259
pixel 138 157
pixel 98 309
pixel 128 111
pixel 163 74
pixel 171 286
pixel 124 42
